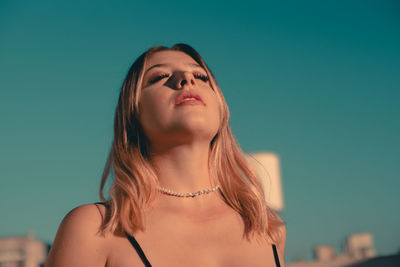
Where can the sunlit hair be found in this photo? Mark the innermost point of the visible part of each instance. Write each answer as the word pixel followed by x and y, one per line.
pixel 135 182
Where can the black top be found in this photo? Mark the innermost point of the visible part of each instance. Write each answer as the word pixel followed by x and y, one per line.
pixel 146 262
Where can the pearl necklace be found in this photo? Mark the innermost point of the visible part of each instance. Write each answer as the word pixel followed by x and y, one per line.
pixel 194 194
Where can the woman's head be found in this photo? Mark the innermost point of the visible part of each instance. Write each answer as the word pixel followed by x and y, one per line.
pixel 147 109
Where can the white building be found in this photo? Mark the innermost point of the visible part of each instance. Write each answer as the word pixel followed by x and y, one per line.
pixel 266 165
pixel 23 251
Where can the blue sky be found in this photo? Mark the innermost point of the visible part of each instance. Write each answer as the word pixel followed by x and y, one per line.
pixel 316 82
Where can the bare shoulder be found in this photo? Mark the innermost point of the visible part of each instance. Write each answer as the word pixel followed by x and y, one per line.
pixel 78 241
pixel 87 216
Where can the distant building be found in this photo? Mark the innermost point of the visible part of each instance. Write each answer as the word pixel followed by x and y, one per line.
pixel 267 169
pixel 358 248
pixel 24 251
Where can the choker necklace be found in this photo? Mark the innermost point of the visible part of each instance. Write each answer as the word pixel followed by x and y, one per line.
pixel 194 194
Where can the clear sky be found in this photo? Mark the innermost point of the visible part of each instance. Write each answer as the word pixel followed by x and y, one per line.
pixel 316 82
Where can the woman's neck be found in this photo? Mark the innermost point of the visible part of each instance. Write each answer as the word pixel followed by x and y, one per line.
pixel 183 168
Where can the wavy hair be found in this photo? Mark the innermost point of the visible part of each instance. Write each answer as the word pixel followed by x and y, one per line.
pixel 135 182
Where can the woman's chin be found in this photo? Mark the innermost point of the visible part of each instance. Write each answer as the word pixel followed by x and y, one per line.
pixel 199 125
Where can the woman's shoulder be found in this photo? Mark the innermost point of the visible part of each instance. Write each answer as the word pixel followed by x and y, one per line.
pixel 87 218
pixel 85 211
pixel 78 241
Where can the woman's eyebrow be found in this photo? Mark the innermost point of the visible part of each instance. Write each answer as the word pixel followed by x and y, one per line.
pixel 164 65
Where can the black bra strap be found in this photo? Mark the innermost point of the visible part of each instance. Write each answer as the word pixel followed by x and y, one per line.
pixel 278 264
pixel 138 249
pixel 134 243
pixel 102 203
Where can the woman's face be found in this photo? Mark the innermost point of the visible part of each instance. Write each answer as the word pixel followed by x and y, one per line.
pixel 177 103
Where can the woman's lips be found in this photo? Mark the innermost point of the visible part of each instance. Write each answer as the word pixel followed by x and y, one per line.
pixel 187 98
pixel 190 101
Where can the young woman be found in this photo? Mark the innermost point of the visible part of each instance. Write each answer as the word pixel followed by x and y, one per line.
pixel 182 193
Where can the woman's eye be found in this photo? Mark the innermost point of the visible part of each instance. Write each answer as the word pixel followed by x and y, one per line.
pixel 158 78
pixel 200 76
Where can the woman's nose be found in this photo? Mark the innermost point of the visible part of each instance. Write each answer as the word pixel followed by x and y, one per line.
pixel 186 79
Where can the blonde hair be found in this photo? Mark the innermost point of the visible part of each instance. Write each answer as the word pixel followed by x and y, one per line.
pixel 135 181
